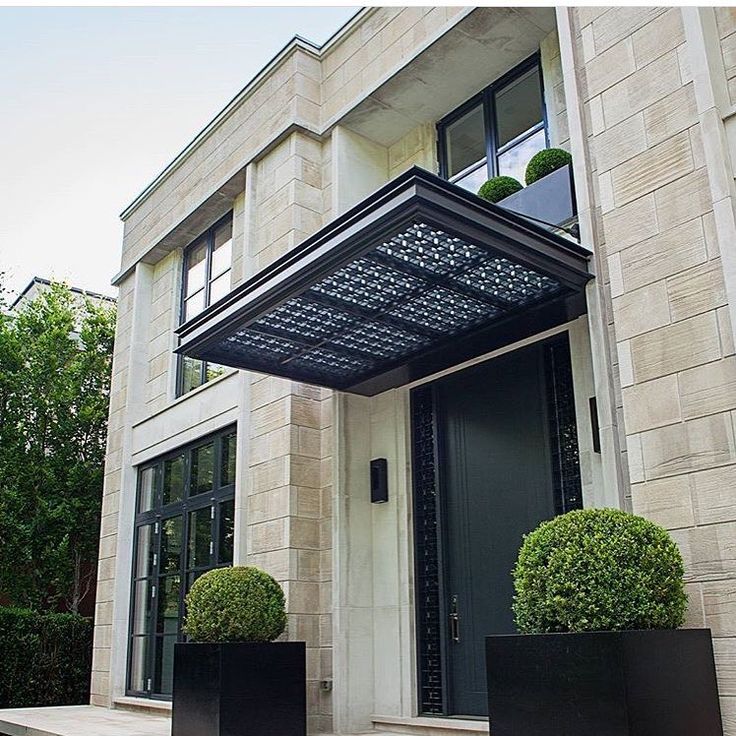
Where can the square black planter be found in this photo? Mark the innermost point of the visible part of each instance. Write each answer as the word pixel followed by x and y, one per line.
pixel 549 199
pixel 234 689
pixel 627 683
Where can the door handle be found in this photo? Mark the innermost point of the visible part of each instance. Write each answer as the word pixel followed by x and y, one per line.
pixel 454 620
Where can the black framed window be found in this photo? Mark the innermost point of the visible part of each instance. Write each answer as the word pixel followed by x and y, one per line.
pixel 496 132
pixel 184 526
pixel 207 266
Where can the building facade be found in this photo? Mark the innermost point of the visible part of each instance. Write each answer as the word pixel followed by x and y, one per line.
pixel 253 386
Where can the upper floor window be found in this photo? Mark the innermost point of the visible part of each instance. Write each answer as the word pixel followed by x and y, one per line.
pixel 496 132
pixel 207 264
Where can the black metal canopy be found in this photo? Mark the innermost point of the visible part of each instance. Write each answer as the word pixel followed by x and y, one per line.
pixel 418 277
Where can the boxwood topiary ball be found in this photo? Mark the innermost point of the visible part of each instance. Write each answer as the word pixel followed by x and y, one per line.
pixel 598 570
pixel 499 187
pixel 235 604
pixel 545 162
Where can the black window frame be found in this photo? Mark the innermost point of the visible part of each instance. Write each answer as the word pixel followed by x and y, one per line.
pixel 208 237
pixel 487 98
pixel 156 516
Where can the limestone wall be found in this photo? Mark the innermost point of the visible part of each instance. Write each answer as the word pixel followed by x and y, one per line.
pixel 659 257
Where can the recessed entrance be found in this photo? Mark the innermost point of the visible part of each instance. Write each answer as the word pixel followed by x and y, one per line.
pixel 495 453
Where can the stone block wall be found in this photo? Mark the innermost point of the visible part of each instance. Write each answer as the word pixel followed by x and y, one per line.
pixel 659 258
pixel 103 635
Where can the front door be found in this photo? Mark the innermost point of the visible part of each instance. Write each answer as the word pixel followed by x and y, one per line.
pixel 499 451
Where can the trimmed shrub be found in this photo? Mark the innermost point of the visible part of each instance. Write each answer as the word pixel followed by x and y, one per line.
pixel 598 570
pixel 499 187
pixel 45 658
pixel 545 162
pixel 235 604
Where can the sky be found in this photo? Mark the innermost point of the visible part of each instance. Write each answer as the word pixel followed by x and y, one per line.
pixel 95 102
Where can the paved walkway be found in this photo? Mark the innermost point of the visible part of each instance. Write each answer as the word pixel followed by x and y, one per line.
pixel 81 720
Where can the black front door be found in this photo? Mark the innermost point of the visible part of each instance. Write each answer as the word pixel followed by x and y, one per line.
pixel 498 474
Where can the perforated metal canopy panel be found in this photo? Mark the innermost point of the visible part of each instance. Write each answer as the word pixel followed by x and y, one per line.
pixel 419 277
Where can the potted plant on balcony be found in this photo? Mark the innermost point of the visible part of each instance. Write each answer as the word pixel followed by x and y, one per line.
pixel 498 188
pixel 549 194
pixel 231 676
pixel 599 597
pixel 545 162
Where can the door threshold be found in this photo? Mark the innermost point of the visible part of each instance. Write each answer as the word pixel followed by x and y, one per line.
pixel 430 725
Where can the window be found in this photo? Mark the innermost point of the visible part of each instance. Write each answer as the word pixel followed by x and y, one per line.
pixel 497 131
pixel 184 526
pixel 207 263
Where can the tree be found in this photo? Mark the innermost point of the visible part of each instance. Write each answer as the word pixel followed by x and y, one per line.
pixel 55 363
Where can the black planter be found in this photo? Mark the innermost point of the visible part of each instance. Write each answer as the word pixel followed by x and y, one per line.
pixel 627 683
pixel 251 689
pixel 550 199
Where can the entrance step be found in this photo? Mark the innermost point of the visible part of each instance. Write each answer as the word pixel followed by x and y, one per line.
pixel 429 726
pixel 143 705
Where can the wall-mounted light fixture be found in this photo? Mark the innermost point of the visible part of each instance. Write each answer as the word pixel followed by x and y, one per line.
pixel 379 480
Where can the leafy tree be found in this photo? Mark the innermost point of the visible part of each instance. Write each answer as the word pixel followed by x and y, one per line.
pixel 55 363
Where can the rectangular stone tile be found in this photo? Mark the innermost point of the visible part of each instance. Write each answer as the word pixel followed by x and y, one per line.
pixel 694 614
pixel 585 15
pixel 724 652
pixel 301 597
pixel 269 417
pixel 269 535
pixel 652 169
pixel 666 501
pixel 726 21
pixel 676 347
pixel 659 36
pixel 307 502
pixel 697 290
pixel 634 458
pixel 709 552
pixel 665 254
pixel 620 142
pixel 728 50
pixel 714 499
pixel 304 533
pixel 277 563
pixel 683 199
pixel 709 388
pixel 640 311
pixel 620 22
pixel 630 224
pixel 271 474
pixel 641 89
pixel 719 602
pixel 269 505
pixel 305 471
pixel 695 445
pixel 728 715
pixel 651 404
pixel 725 331
pixel 609 67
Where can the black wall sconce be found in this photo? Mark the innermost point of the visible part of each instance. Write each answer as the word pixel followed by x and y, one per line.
pixel 379 480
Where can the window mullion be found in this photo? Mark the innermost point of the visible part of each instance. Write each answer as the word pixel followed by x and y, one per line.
pixel 491 132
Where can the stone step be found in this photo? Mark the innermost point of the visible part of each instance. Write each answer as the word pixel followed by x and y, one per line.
pixel 429 726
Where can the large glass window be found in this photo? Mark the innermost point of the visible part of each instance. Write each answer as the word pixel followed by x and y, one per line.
pixel 497 131
pixel 207 263
pixel 184 526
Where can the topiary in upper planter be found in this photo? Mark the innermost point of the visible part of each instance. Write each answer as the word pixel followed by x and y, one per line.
pixel 599 597
pixel 230 677
pixel 499 187
pixel 545 162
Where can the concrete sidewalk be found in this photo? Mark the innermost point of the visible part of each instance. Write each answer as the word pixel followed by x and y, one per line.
pixel 81 720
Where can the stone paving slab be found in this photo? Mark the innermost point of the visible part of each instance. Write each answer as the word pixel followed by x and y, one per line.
pixel 81 720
